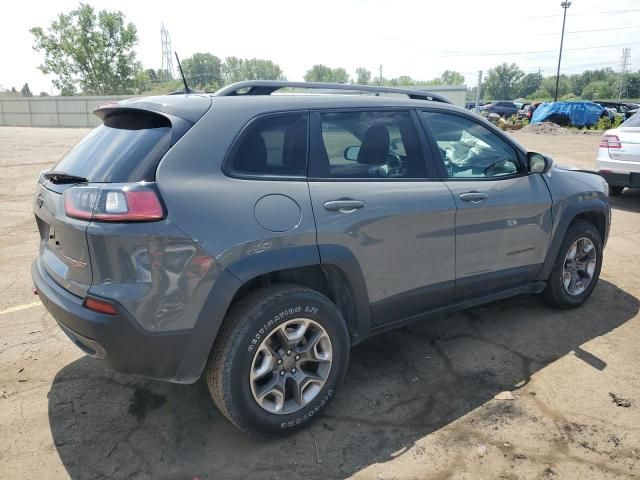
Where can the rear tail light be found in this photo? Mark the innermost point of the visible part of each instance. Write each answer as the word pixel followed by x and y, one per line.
pixel 610 141
pixel 113 203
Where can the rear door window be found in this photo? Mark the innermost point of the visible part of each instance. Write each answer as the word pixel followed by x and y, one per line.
pixel 127 147
pixel 368 145
pixel 272 145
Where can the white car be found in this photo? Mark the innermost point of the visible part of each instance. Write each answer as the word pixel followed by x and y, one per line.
pixel 618 158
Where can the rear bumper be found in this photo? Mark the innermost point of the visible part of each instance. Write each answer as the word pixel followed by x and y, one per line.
pixel 622 179
pixel 116 339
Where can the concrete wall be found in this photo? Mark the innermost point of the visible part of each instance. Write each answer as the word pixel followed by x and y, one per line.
pixel 52 111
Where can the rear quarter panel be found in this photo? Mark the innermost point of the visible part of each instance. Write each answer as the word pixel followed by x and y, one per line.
pixel 219 212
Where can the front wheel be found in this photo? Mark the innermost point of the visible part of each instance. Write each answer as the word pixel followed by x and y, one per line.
pixel 577 268
pixel 279 357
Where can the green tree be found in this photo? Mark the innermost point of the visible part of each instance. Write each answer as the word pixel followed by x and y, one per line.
pixel 91 52
pixel 502 82
pixel 233 69
pixel 579 81
pixel 322 73
pixel 340 75
pixel 363 76
pixel 633 85
pixel 260 69
pixel 564 85
pixel 151 74
pixel 598 90
pixel 451 77
pixel 529 84
pixel 203 70
pixel 26 91
pixel 319 73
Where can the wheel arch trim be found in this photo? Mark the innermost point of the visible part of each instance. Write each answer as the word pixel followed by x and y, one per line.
pixel 566 217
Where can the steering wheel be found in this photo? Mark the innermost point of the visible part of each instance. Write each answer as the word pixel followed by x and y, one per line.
pixel 391 168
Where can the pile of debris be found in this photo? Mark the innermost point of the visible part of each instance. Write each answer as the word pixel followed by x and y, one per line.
pixel 548 128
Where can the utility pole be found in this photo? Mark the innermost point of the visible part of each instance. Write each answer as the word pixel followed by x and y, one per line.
pixel 380 77
pixel 624 65
pixel 477 106
pixel 565 5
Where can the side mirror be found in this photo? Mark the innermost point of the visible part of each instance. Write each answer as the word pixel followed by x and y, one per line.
pixel 539 163
pixel 351 153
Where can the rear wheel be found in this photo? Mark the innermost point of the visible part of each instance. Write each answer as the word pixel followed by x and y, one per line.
pixel 278 359
pixel 577 268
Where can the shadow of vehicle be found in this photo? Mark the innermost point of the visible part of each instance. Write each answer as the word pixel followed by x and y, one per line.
pixel 628 201
pixel 400 387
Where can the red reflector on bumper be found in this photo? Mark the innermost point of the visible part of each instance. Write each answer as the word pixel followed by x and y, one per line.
pixel 101 306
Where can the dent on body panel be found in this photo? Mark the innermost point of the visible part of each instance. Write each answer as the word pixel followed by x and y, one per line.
pixel 569 187
pixel 161 277
pixel 511 232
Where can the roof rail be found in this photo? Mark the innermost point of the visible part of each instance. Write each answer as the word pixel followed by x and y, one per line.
pixel 267 87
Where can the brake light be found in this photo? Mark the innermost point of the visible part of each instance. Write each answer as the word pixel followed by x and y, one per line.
pixel 610 141
pixel 101 306
pixel 113 203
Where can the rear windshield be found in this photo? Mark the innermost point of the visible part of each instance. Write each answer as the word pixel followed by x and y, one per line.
pixel 127 147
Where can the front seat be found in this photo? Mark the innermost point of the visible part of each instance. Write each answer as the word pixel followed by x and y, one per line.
pixel 375 146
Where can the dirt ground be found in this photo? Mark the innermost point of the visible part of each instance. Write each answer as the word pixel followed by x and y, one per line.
pixel 417 403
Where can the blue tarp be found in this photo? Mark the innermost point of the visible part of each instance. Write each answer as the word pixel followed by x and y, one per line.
pixel 579 114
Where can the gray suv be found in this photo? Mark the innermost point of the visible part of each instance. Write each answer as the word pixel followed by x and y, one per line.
pixel 254 238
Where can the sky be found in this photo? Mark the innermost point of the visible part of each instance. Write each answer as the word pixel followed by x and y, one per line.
pixel 416 38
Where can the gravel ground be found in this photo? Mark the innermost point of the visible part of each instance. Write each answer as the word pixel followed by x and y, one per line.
pixel 512 390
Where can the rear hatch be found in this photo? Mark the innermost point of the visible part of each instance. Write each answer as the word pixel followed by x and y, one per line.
pixel 628 149
pixel 125 149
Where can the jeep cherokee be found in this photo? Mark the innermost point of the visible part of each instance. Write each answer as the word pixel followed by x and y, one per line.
pixel 254 238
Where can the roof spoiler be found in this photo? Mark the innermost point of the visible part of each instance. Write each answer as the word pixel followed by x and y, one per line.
pixel 267 87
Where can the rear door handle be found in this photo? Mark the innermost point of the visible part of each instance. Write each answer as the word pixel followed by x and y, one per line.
pixel 343 206
pixel 473 197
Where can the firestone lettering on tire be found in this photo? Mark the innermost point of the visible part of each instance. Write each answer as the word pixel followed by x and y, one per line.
pixel 309 414
pixel 276 319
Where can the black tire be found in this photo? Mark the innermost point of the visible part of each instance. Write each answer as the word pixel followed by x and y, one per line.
pixel 615 190
pixel 252 319
pixel 555 293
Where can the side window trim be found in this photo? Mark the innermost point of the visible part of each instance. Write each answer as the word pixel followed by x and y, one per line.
pixel 237 141
pixel 520 157
pixel 316 144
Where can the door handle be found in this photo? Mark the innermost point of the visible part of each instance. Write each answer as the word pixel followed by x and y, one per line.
pixel 343 206
pixel 473 197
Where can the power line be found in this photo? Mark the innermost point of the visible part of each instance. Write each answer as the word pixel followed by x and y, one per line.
pixel 589 31
pixel 520 52
pixel 610 12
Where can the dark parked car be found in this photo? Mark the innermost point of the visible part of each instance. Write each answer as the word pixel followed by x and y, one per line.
pixel 472 105
pixel 502 108
pixel 254 238
pixel 527 109
pixel 625 109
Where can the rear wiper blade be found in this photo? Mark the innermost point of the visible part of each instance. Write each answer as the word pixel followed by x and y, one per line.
pixel 61 177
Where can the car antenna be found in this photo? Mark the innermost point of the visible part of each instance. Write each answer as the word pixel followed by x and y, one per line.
pixel 184 80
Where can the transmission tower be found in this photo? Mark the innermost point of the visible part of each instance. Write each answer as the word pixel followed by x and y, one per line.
pixel 166 71
pixel 621 84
